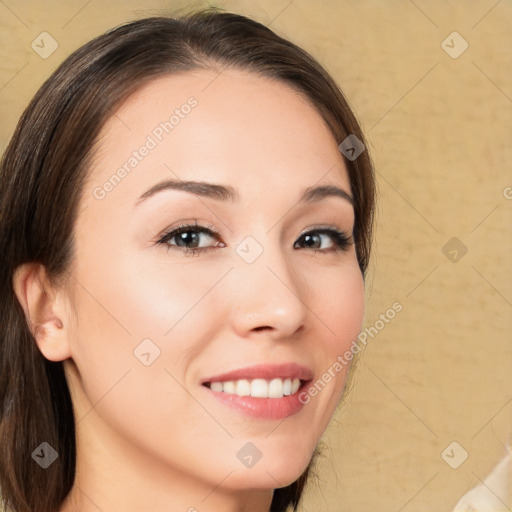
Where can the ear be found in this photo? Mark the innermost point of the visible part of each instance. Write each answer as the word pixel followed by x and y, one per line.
pixel 44 309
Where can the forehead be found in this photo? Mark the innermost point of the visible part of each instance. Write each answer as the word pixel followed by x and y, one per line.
pixel 229 126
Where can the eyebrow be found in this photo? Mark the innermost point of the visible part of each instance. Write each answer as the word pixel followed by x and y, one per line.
pixel 228 193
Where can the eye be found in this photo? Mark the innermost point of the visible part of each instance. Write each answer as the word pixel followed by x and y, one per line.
pixel 195 239
pixel 339 241
pixel 190 238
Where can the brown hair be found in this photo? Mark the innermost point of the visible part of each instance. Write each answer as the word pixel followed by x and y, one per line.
pixel 41 179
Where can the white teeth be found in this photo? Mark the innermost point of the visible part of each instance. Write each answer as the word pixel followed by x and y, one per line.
pixel 287 387
pixel 258 388
pixel 275 388
pixel 243 388
pixel 228 387
pixel 216 386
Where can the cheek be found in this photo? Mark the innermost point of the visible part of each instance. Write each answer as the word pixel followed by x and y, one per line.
pixel 162 291
pixel 141 294
pixel 116 316
pixel 338 303
pixel 135 304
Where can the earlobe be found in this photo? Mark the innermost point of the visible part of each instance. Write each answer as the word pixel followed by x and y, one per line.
pixel 44 310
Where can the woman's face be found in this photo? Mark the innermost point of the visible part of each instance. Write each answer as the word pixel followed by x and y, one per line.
pixel 258 280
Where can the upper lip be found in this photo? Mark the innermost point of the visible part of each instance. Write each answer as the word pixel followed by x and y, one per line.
pixel 264 371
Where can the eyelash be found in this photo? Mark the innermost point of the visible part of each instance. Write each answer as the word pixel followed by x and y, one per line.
pixel 341 240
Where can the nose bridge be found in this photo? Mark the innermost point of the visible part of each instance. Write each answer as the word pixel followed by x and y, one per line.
pixel 268 289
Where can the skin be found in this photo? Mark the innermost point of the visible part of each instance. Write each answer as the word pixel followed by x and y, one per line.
pixel 151 437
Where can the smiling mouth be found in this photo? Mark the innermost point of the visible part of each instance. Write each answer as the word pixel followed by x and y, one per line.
pixel 258 388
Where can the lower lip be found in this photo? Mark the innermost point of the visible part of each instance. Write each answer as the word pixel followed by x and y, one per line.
pixel 264 408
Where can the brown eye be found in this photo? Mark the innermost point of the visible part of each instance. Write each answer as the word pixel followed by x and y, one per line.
pixel 190 238
pixel 313 240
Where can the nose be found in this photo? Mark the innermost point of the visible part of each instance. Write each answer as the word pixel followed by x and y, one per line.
pixel 267 296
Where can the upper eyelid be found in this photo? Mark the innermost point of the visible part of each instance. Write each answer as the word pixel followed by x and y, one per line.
pixel 187 227
pixel 212 232
pixel 191 227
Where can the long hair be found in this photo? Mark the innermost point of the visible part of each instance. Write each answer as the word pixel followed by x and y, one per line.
pixel 42 174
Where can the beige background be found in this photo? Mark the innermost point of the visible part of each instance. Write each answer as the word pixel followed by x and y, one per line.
pixel 439 131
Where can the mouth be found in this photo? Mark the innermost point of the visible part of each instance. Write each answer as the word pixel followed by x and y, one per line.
pixel 259 388
pixel 265 391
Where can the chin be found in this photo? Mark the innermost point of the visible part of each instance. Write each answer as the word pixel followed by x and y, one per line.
pixel 273 473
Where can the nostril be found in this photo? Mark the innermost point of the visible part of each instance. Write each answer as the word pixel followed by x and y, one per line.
pixel 261 328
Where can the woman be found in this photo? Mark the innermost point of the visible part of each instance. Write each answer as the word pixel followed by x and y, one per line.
pixel 186 210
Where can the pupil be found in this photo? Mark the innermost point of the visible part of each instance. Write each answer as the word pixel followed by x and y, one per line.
pixel 310 241
pixel 188 234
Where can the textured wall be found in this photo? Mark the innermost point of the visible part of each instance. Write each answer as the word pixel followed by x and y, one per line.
pixel 439 128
